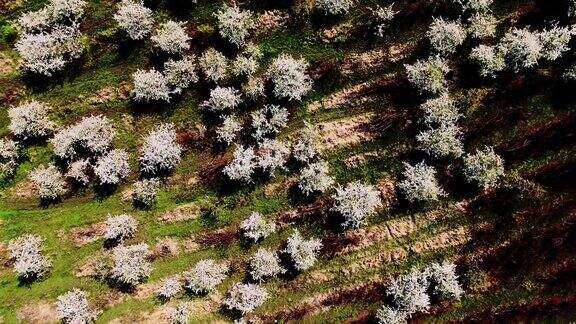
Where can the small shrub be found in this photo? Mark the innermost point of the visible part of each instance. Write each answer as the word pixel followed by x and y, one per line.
pixel 91 135
pixel 26 251
pixel 228 131
pixel 335 7
pixel 444 279
pixel 73 307
pixel 131 264
pixel 428 76
pixel 408 292
pixel 234 24
pixel 223 98
pixel 170 288
pixel 8 157
pixel 179 314
pixel 303 253
pixel 289 77
pixel 214 65
pixel 121 227
pixel 48 181
pixel 484 168
pixel 253 88
pixel 171 37
pixel 389 315
pixel 205 276
pixel 382 17
pixel 151 85
pixel 243 165
pixel 420 183
pixel 555 41
pixel 30 120
pixel 112 168
pixel 489 59
pixel 475 5
pixel 78 171
pixel 245 298
pixel 315 178
pixel 522 48
pixel 440 110
pixel 145 192
pixel 255 227
pixel 265 264
pixel 134 19
pixel 160 152
pixel 446 36
pixel 272 155
pixel 269 121
pixel 244 65
pixel 307 147
pixel 482 25
pixel 179 74
pixel 441 141
pixel 355 202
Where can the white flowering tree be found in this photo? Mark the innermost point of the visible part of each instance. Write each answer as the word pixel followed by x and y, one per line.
pixel 243 165
pixel 171 37
pixel 315 177
pixel 335 7
pixel 441 141
pixel 205 276
pixel 446 36
pixel 73 307
pixel 484 168
pixel 409 292
pixel 223 99
pixel 555 41
pixel 30 120
pixel 35 21
pixel 145 192
pixel 428 76
pixel 389 315
pixel 121 227
pixel 420 183
pixel 355 202
pixel 444 279
pixel 522 48
pixel 246 63
pixel 134 19
pixel 48 182
pixel 71 10
pixel 29 261
pixel 8 157
pixel 245 298
pixel 179 314
pixel 303 253
pixel 214 65
pixel 234 24
pixel 440 110
pixel 160 152
pixel 382 16
pixel 489 59
pixel 92 135
pixel 151 85
pixel 78 171
pixel 289 77
pixel 180 73
pixel 255 227
pixel 272 155
pixel 253 88
pixel 268 121
pixel 482 25
pixel 112 167
pixel 265 264
pixel 228 131
pixel 131 264
pixel 170 287
pixel 475 5
pixel 307 147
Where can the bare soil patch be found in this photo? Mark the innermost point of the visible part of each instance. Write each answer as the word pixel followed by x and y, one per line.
pixel 85 235
pixel 41 312
pixel 347 131
pixel 182 213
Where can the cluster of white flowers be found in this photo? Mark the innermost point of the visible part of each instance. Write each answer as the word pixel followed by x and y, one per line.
pixel 145 192
pixel 160 152
pixel 446 36
pixel 66 9
pixel 121 227
pixel 484 168
pixel 228 131
pixel 245 298
pixel 180 73
pixel 444 279
pixel 441 141
pixel 482 25
pixel 355 202
pixel 522 48
pixel 265 264
pixel 335 7
pixel 214 65
pixel 179 314
pixel 555 41
pixel 170 288
pixel 440 110
pixel 151 85
pixel 570 73
pixel 134 19
pixel 8 157
pixel 30 120
pixel 205 276
pixel 420 183
pixel 171 37
pixel 389 315
pixel 475 5
pixel 255 227
pixel 131 264
pixel 222 99
pixel 234 24
pixel 73 307
pixel 303 253
pixel 34 21
pixel 268 121
pixel 92 135
pixel 78 171
pixel 315 177
pixel 26 251
pixel 489 59
pixel 112 167
pixel 272 155
pixel 307 147
pixel 53 13
pixel 382 17
pixel 253 88
pixel 243 166
pixel 246 63
pixel 48 181
pixel 409 292
pixel 289 77
pixel 430 75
